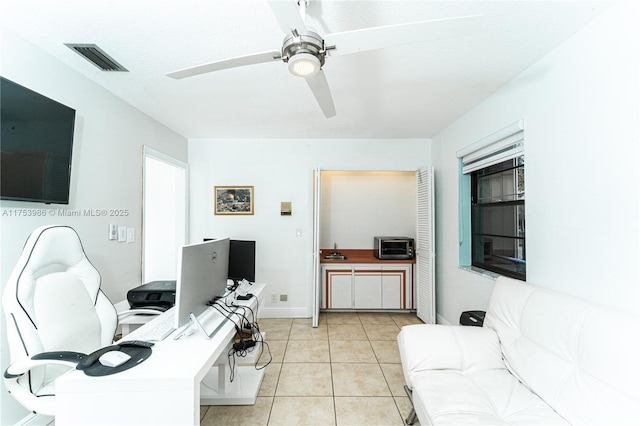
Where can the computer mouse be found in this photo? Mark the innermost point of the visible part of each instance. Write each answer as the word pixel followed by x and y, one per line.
pixel 89 360
pixel 114 358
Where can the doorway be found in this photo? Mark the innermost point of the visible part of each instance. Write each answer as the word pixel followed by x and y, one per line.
pixel 350 207
pixel 164 218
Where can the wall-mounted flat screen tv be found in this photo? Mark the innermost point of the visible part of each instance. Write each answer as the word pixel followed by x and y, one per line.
pixel 35 146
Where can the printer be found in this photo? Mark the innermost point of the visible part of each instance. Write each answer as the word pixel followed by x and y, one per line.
pixel 158 295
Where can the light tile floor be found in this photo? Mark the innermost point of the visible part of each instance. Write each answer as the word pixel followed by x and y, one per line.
pixel 346 371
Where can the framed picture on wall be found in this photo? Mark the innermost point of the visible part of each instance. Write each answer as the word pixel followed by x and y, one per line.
pixel 233 200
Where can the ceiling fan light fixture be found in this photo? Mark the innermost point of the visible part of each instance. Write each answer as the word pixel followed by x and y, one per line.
pixel 304 65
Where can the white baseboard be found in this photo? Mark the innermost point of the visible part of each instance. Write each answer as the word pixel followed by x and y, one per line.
pixel 440 320
pixel 33 419
pixel 266 312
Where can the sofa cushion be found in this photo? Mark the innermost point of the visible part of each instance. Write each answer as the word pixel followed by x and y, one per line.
pixel 437 347
pixel 580 358
pixel 484 397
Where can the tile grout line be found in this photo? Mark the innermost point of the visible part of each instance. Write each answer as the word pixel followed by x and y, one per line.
pixel 333 386
pixel 275 390
pixel 377 358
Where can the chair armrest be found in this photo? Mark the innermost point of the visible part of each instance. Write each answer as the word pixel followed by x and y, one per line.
pixel 443 347
pixel 17 369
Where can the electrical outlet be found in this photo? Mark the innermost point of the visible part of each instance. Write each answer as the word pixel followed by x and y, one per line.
pixel 274 298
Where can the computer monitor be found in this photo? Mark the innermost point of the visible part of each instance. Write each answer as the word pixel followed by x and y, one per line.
pixel 242 260
pixel 202 275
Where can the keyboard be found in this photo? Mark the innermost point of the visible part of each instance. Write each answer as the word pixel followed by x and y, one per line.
pixel 158 329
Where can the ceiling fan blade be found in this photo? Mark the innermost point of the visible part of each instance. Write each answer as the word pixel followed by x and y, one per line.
pixel 395 35
pixel 240 61
pixel 320 88
pixel 288 16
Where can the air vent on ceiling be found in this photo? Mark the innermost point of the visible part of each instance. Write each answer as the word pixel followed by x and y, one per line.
pixel 96 56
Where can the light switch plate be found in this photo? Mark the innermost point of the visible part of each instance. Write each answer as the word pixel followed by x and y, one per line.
pixel 122 234
pixel 131 235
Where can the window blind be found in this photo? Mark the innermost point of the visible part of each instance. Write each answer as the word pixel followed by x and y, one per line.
pixel 500 146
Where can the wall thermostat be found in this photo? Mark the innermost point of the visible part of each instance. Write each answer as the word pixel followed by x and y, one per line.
pixel 285 208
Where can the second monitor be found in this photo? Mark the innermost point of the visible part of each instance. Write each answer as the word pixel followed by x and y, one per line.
pixel 242 260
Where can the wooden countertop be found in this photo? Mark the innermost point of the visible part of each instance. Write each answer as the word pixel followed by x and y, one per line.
pixel 359 256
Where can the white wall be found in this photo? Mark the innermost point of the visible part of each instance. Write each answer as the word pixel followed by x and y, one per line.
pixel 106 174
pixel 281 170
pixel 581 109
pixel 356 206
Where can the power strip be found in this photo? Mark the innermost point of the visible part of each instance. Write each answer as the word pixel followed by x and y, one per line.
pixel 243 345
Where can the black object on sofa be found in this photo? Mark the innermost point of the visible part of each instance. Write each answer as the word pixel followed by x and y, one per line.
pixel 475 318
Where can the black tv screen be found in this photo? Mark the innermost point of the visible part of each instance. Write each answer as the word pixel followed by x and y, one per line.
pixel 242 260
pixel 35 146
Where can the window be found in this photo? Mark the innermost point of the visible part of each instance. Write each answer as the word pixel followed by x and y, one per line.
pixel 491 204
pixel 498 218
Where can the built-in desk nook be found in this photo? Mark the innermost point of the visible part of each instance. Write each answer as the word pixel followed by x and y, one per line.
pixel 362 281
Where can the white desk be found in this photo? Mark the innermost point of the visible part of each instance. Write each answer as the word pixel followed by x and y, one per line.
pixel 166 388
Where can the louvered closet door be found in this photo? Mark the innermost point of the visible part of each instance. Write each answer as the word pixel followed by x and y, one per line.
pixel 425 257
pixel 317 279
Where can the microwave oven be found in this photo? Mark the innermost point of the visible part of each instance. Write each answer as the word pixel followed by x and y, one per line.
pixel 393 247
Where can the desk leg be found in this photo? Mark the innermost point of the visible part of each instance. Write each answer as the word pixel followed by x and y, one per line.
pixel 222 378
pixel 242 391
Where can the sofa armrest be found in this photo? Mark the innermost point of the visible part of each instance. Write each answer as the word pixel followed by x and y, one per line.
pixel 443 347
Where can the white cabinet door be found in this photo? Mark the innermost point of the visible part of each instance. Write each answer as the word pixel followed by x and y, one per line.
pixel 337 287
pixel 367 287
pixel 396 280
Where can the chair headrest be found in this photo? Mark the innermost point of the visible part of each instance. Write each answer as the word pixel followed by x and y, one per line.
pixel 49 249
pixel 52 245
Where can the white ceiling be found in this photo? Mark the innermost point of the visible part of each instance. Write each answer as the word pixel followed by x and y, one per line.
pixel 400 92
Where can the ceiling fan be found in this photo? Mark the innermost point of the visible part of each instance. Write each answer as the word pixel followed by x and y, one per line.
pixel 305 51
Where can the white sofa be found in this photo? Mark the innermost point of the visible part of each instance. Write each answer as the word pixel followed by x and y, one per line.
pixel 540 358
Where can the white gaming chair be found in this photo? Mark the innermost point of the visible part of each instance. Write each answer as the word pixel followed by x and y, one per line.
pixel 55 313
